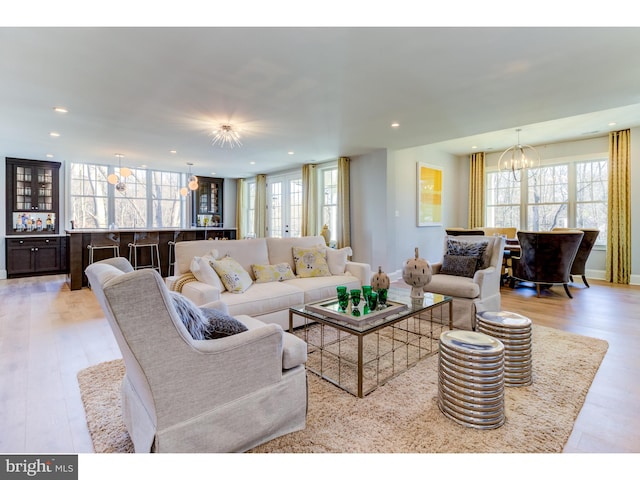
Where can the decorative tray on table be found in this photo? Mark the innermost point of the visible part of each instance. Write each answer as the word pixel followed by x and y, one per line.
pixel 330 308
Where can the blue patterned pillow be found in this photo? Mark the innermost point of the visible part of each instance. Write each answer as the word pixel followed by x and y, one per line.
pixel 192 318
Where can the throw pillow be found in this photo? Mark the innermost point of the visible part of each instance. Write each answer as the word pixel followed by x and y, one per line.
pixel 235 278
pixel 459 265
pixel 272 273
pixel 337 259
pixel 204 272
pixel 190 315
pixel 221 325
pixel 468 249
pixel 311 262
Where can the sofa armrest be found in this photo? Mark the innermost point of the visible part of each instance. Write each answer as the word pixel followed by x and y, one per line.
pixel 200 293
pixel 435 267
pixel 362 271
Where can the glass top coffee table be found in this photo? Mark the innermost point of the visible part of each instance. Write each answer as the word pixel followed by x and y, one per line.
pixel 358 354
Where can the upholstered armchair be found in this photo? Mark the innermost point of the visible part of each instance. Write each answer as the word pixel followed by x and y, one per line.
pixel 579 265
pixel 545 258
pixel 226 394
pixel 474 283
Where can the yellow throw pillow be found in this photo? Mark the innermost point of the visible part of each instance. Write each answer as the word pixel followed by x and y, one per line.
pixel 311 262
pixel 235 278
pixel 272 273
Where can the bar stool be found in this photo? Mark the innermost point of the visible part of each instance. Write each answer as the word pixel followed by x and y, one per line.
pixel 104 241
pixel 143 240
pixel 177 237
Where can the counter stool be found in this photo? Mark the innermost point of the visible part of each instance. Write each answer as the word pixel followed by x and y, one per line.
pixel 177 237
pixel 143 240
pixel 104 241
pixel 471 379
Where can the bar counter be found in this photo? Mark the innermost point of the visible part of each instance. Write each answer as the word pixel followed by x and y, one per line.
pixel 80 238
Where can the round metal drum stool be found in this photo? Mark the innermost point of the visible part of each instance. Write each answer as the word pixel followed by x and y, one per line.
pixel 514 331
pixel 471 379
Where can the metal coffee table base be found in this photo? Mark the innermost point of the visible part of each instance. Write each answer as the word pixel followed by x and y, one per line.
pixel 360 361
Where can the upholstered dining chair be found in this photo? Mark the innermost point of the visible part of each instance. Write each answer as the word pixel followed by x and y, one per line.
pixel 545 258
pixel 579 265
pixel 455 231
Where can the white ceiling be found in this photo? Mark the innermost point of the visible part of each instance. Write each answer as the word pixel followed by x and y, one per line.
pixel 321 92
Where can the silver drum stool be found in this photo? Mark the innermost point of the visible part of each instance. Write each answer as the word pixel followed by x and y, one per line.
pixel 514 331
pixel 471 379
pixel 142 240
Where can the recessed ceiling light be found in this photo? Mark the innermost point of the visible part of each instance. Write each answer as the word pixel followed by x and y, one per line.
pixel 213 173
pixel 173 151
pixel 49 155
pixel 291 153
pixel 611 124
pixel 252 163
pixel 474 147
pixel 60 110
pixel 54 134
pixel 395 125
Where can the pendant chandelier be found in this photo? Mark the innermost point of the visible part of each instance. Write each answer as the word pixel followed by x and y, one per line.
pixel 226 135
pixel 123 173
pixel 192 183
pixel 518 158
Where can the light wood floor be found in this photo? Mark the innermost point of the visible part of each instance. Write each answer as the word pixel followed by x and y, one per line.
pixel 48 333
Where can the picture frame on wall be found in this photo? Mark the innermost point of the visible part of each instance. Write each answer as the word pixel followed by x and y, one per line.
pixel 429 195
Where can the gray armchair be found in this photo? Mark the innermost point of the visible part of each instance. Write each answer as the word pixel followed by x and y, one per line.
pixel 183 395
pixel 475 293
pixel 546 258
pixel 579 265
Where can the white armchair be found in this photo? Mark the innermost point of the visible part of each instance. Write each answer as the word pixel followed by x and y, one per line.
pixel 183 395
pixel 476 293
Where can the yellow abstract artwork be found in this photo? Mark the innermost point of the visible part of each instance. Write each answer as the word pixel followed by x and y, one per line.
pixel 429 190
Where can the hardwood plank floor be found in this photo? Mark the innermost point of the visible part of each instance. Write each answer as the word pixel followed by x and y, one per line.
pixel 48 333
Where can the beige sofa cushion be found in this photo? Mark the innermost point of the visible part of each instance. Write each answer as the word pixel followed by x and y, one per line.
pixel 321 288
pixel 263 298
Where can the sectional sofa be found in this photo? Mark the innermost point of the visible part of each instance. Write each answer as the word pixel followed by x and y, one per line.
pixel 266 297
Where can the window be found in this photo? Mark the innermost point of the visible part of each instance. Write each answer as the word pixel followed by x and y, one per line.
pixel 329 199
pixel 250 202
pixel 548 197
pixel 503 200
pixel 151 198
pixel 570 194
pixel 285 205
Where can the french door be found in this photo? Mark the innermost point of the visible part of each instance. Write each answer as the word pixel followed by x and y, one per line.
pixel 284 205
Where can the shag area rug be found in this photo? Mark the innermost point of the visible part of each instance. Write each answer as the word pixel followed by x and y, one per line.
pixel 402 416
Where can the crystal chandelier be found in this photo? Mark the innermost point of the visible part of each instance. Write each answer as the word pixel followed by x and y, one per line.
pixel 226 135
pixel 192 183
pixel 123 173
pixel 518 158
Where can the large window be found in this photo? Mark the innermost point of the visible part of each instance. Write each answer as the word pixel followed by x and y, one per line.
pixel 151 198
pixel 570 194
